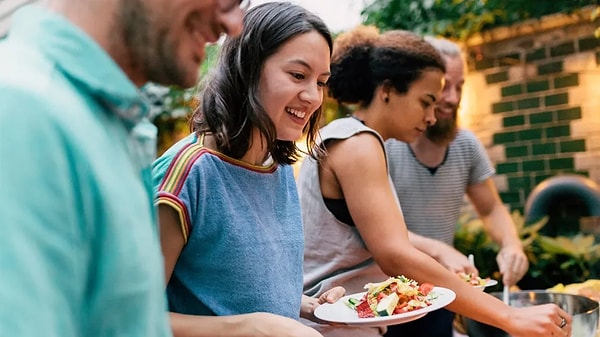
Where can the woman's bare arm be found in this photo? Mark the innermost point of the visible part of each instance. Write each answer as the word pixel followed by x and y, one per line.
pixel 359 165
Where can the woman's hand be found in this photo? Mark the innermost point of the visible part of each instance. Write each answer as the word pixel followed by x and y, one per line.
pixel 269 325
pixel 547 320
pixel 309 304
pixel 256 324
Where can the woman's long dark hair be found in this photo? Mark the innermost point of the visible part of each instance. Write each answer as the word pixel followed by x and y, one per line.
pixel 231 105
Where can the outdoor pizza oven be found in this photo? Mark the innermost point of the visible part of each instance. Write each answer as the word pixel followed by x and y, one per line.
pixel 569 201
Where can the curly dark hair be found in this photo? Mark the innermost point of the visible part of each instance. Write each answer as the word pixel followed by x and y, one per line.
pixel 231 107
pixel 363 59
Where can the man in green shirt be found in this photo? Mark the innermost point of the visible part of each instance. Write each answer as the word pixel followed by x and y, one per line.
pixel 79 249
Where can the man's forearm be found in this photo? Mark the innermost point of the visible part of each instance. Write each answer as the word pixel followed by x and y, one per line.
pixel 428 246
pixel 501 228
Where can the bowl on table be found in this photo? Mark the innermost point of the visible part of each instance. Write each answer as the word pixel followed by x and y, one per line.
pixel 585 312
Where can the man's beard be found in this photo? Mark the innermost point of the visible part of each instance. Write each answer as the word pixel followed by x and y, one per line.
pixel 443 131
pixel 151 52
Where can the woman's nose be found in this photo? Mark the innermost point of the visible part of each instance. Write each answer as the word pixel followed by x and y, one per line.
pixel 430 116
pixel 312 94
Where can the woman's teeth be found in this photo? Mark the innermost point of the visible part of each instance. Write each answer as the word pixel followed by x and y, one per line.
pixel 297 113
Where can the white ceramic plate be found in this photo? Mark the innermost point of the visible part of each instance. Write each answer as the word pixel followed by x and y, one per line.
pixel 340 312
pixel 490 282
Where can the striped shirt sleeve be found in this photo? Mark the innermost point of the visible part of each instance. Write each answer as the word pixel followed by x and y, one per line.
pixel 172 178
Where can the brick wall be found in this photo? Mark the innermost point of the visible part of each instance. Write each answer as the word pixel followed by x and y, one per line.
pixel 532 95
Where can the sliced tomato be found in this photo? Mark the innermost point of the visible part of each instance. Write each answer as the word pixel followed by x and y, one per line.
pixel 400 308
pixel 425 288
pixel 364 310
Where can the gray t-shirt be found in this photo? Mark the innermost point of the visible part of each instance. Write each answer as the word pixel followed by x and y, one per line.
pixel 432 201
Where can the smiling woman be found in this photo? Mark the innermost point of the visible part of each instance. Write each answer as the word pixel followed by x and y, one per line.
pixel 230 224
pixel 292 84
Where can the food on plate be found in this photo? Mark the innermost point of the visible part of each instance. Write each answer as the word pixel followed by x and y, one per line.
pixel 472 279
pixel 395 295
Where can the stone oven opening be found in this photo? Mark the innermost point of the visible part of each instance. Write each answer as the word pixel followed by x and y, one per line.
pixel 566 200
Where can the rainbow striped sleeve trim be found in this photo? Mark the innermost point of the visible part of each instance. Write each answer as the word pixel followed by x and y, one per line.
pixel 173 181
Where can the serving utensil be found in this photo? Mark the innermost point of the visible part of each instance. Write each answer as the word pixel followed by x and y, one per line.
pixel 506 294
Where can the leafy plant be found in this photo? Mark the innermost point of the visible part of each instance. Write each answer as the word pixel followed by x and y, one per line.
pixel 552 260
pixel 471 238
pixel 172 106
pixel 459 19
pixel 170 111
pixel 564 260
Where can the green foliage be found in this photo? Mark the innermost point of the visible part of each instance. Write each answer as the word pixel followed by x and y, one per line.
pixel 210 59
pixel 459 19
pixel 564 260
pixel 172 106
pixel 552 260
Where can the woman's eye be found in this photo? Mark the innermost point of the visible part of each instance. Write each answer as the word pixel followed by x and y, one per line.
pixel 426 104
pixel 321 84
pixel 298 76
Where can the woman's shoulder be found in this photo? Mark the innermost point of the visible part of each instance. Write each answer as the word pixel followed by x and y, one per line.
pixel 176 157
pixel 364 147
pixel 344 128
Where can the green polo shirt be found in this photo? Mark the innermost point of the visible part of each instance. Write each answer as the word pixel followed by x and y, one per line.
pixel 79 250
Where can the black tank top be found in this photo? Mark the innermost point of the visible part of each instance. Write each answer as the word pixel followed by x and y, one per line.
pixel 339 209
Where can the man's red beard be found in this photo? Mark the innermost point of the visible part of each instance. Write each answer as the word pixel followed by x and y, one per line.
pixel 444 130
